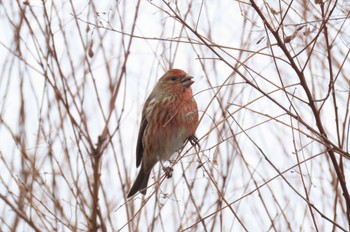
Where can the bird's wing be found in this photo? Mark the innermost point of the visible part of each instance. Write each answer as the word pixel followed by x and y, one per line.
pixel 139 146
pixel 146 111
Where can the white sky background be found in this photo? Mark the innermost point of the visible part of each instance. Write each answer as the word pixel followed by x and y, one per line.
pixel 242 169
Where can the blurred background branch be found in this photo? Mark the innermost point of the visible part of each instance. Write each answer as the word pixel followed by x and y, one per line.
pixel 271 82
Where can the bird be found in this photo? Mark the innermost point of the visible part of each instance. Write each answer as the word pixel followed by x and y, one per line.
pixel 169 119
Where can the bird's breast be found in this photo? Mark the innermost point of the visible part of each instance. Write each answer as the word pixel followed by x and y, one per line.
pixel 171 121
pixel 178 123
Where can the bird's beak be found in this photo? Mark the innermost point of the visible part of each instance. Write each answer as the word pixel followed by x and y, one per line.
pixel 187 81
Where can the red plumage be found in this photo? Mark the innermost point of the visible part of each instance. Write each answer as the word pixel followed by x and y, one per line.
pixel 169 118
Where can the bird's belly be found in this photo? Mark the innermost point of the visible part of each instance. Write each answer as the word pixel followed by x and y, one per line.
pixel 176 141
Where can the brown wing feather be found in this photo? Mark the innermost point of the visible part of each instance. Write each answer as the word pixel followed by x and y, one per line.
pixel 139 146
pixel 144 122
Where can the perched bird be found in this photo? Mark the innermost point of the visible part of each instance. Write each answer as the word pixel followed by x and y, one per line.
pixel 169 118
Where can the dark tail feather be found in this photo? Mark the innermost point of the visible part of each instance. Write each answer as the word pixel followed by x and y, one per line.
pixel 140 183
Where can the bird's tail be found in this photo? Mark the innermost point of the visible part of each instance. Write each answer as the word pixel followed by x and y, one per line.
pixel 140 183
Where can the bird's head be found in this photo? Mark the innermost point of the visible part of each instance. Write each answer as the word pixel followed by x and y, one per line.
pixel 175 81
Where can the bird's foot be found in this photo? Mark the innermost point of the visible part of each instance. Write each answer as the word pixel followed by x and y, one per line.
pixel 194 141
pixel 168 171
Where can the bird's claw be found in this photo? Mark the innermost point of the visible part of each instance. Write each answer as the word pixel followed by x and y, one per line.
pixel 194 141
pixel 168 171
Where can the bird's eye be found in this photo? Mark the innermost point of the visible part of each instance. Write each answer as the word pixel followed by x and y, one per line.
pixel 173 78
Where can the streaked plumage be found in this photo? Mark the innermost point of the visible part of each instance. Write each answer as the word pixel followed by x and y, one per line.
pixel 169 118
